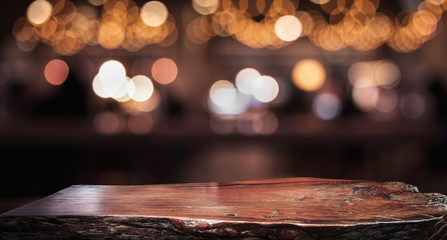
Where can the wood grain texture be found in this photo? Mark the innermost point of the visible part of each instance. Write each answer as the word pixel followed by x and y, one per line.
pixel 291 208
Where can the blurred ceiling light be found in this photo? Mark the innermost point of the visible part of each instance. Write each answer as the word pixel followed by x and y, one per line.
pixel 412 106
pixel 205 7
pixel 265 89
pixel 154 13
pixel 142 88
pixel 39 11
pixel 326 106
pixel 245 79
pixel 56 71
pixel 164 70
pixel 309 75
pixel 288 28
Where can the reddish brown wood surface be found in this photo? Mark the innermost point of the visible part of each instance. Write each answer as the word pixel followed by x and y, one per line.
pixel 293 208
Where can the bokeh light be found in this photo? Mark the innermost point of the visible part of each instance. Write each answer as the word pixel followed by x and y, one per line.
pixel 412 106
pixel 135 107
pixel 56 71
pixel 225 99
pixel 97 2
pixel 288 28
pixel 364 98
pixel 386 100
pixel 309 75
pixel 222 93
pixel 265 89
pixel 321 2
pixel 326 106
pixel 112 79
pixel 205 7
pixel 154 13
pixel 383 73
pixel 141 88
pixel 387 74
pixel 164 70
pixel 39 11
pixel 361 75
pixel 245 79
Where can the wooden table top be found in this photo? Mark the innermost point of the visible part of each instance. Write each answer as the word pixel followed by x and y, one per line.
pixel 312 207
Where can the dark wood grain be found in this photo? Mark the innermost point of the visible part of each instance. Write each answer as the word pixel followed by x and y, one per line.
pixel 292 208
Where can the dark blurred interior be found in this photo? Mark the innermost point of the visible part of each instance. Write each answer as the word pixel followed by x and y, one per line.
pixel 378 112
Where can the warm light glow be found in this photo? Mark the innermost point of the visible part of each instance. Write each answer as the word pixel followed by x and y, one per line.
pixel 387 74
pixel 164 70
pixel 361 75
pixel 265 89
pixel 112 77
pixel 154 13
pixel 205 7
pixel 39 11
pixel 412 106
pixel 97 2
pixel 134 107
pixel 320 1
pixel 288 28
pixel 141 88
pixel 223 93
pixel 56 71
pixel 309 75
pixel 224 99
pixel 365 98
pixel 381 73
pixel 245 79
pixel 326 106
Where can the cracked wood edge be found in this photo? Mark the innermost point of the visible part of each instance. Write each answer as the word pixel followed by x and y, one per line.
pixel 432 225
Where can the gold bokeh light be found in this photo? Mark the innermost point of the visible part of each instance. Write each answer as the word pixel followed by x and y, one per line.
pixel 309 75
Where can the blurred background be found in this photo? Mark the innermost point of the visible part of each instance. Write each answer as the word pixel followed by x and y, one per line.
pixel 148 92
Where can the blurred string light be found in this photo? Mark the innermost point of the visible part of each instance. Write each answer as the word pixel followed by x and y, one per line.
pixel 373 84
pixel 241 106
pixel 135 94
pixel 68 28
pixel 277 23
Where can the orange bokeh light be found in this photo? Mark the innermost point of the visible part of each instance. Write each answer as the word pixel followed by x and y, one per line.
pixel 164 70
pixel 56 72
